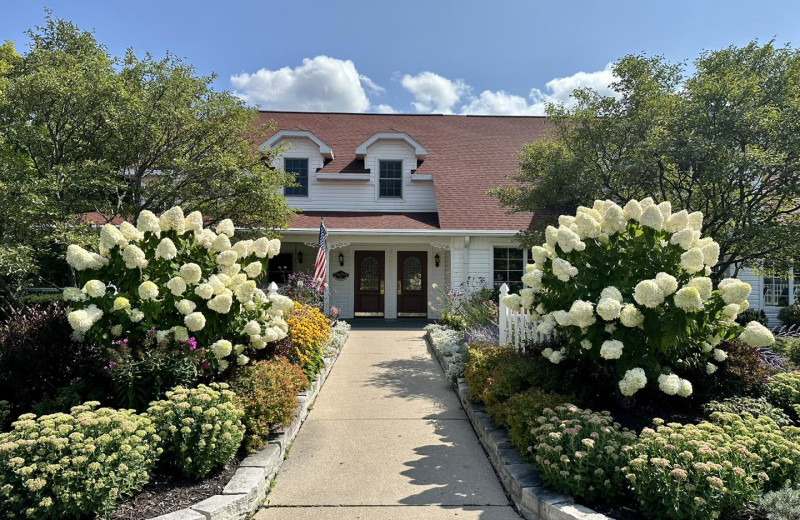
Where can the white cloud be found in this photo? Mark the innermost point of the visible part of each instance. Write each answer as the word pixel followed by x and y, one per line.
pixel 374 87
pixel 499 103
pixel 560 89
pixel 385 109
pixel 434 93
pixel 321 84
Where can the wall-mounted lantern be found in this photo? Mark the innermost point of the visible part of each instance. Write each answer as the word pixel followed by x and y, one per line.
pixel 341 259
pixel 436 259
pixel 299 257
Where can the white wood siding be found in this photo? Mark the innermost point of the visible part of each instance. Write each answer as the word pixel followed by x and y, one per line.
pixel 756 297
pixel 359 195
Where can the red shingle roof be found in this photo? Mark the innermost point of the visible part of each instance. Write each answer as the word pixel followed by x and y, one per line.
pixel 467 155
pixel 365 220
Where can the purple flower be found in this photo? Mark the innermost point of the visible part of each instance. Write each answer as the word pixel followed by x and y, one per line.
pixel 206 365
pixel 192 343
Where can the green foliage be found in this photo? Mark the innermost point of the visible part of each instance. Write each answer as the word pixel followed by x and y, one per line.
pixel 789 348
pixel 481 362
pixel 102 456
pixel 453 321
pixel 144 373
pixel 742 373
pixel 783 504
pixel 783 391
pixel 267 391
pixel 721 140
pixel 201 428
pixel 68 396
pixel 40 298
pixel 38 358
pixel 579 452
pixel 126 116
pixel 790 315
pixel 5 411
pixel 468 305
pixel 519 416
pixel 749 405
pixel 692 471
pixel 749 315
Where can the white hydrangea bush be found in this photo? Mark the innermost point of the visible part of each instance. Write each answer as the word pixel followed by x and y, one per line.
pixel 172 274
pixel 629 286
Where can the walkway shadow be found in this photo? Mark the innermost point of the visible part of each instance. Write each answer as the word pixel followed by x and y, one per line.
pixel 457 467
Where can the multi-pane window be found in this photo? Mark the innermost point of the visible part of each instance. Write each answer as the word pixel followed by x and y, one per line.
pixel 780 292
pixel 298 167
pixel 509 264
pixel 390 179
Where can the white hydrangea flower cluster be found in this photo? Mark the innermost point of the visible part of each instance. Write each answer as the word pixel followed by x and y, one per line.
pixel 182 277
pixel 651 267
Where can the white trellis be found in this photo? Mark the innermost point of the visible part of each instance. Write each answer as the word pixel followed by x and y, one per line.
pixel 516 327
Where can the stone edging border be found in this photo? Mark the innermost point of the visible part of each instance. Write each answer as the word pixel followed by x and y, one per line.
pixel 249 486
pixel 520 479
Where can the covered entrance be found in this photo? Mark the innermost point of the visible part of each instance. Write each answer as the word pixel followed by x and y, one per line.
pixel 412 278
pixel 370 283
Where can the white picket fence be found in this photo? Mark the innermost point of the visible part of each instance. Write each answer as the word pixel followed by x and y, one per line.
pixel 516 327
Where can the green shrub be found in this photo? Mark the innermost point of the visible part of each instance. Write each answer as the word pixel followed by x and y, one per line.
pixel 201 428
pixel 788 348
pixel 777 447
pixel 40 298
pixel 454 321
pixel 267 391
pixel 481 361
pixel 5 411
pixel 580 452
pixel 144 372
pixel 519 413
pixel 692 471
pixel 783 504
pixel 511 376
pixel 756 407
pixel 38 358
pixel 783 391
pixel 74 465
pixel 790 315
pixel 749 315
pixel 68 396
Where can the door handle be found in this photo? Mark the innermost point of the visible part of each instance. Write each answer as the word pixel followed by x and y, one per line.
pixel 399 287
pixel 382 286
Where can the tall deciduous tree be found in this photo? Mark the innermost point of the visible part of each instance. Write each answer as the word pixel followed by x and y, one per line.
pixel 82 131
pixel 724 140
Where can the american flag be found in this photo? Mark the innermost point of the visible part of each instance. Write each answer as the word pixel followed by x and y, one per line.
pixel 321 265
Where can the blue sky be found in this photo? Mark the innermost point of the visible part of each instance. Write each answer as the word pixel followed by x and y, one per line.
pixel 412 56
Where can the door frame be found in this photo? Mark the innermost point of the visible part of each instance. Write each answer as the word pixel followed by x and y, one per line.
pixel 357 272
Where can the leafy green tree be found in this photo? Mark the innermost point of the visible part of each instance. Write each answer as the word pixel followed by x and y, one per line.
pixel 724 140
pixel 82 131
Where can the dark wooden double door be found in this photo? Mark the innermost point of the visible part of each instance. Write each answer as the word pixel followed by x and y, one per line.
pixel 370 283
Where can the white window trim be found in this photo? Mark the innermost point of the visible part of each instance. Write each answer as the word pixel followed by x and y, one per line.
pixel 509 246
pixel 403 173
pixel 791 298
pixel 307 196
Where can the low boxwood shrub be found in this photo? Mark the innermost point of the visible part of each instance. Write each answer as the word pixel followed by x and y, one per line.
pixel 267 391
pixel 581 453
pixel 519 416
pixel 790 315
pixel 751 405
pixel 310 331
pixel 681 471
pixel 37 357
pixel 749 315
pixel 783 504
pixel 201 428
pixel 74 465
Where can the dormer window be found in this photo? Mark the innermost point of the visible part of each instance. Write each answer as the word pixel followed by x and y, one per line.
pixel 299 168
pixel 390 179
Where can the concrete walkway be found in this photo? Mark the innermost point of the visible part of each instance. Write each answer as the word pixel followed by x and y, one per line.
pixel 387 439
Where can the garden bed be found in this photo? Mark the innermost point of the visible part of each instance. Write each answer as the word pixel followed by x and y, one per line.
pixel 520 479
pixel 241 486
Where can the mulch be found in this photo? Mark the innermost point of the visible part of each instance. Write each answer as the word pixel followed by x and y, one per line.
pixel 165 494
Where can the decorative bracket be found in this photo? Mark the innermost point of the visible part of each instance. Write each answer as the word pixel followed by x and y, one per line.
pixel 338 246
pixel 446 247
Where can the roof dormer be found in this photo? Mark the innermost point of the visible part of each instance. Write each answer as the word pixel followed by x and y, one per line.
pixel 419 150
pixel 324 150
